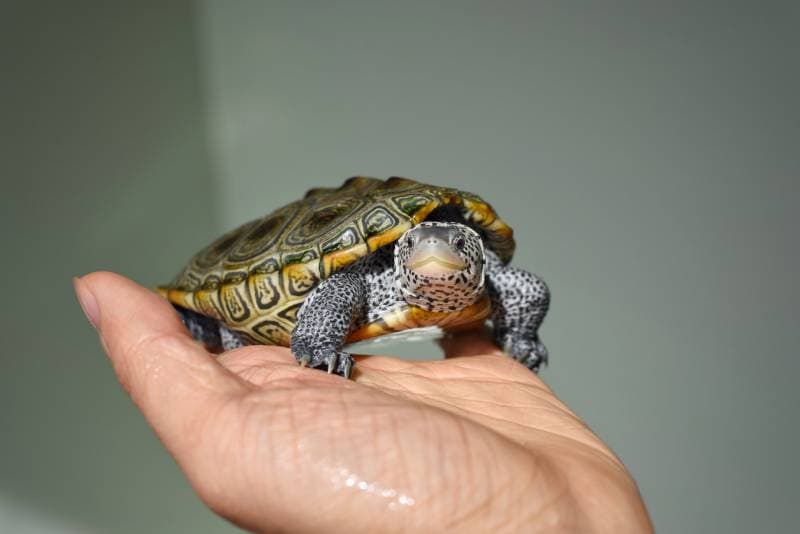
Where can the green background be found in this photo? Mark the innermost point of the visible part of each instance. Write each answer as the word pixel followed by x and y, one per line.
pixel 647 156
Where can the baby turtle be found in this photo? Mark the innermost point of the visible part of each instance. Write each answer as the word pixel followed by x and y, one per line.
pixel 368 258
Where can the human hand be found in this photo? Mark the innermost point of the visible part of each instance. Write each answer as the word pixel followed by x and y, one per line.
pixel 473 443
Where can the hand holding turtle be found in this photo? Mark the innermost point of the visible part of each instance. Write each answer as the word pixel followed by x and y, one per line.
pixel 468 444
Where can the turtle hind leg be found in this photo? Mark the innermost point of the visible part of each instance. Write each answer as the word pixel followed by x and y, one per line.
pixel 204 329
pixel 230 339
pixel 210 332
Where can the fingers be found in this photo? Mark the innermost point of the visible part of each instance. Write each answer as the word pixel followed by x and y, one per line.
pixel 168 375
pixel 468 343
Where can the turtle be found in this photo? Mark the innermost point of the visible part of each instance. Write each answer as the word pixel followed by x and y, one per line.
pixel 368 258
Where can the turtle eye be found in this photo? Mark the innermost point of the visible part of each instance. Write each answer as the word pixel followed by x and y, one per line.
pixel 459 243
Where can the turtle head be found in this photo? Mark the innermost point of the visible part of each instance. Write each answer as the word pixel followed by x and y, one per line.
pixel 439 266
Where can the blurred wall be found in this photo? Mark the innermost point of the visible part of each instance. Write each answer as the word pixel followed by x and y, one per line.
pixel 647 155
pixel 104 166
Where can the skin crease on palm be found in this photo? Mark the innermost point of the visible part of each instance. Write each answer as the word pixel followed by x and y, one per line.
pixel 472 443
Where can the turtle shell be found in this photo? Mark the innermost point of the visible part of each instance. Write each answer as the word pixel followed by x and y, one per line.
pixel 255 278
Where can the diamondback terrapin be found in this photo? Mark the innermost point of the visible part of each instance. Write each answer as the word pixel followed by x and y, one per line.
pixel 368 258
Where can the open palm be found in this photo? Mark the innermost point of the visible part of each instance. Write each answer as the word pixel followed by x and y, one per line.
pixel 473 443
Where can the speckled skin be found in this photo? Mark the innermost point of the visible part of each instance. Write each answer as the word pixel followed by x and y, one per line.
pixel 520 301
pixel 383 282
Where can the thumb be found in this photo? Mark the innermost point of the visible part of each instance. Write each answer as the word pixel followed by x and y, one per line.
pixel 170 377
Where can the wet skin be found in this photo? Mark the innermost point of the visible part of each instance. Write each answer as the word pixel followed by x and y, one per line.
pixel 473 443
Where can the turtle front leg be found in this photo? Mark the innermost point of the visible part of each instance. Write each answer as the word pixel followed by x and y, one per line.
pixel 519 303
pixel 324 321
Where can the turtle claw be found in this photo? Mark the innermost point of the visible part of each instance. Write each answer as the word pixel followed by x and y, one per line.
pixel 347 367
pixel 340 363
pixel 330 360
pixel 530 352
